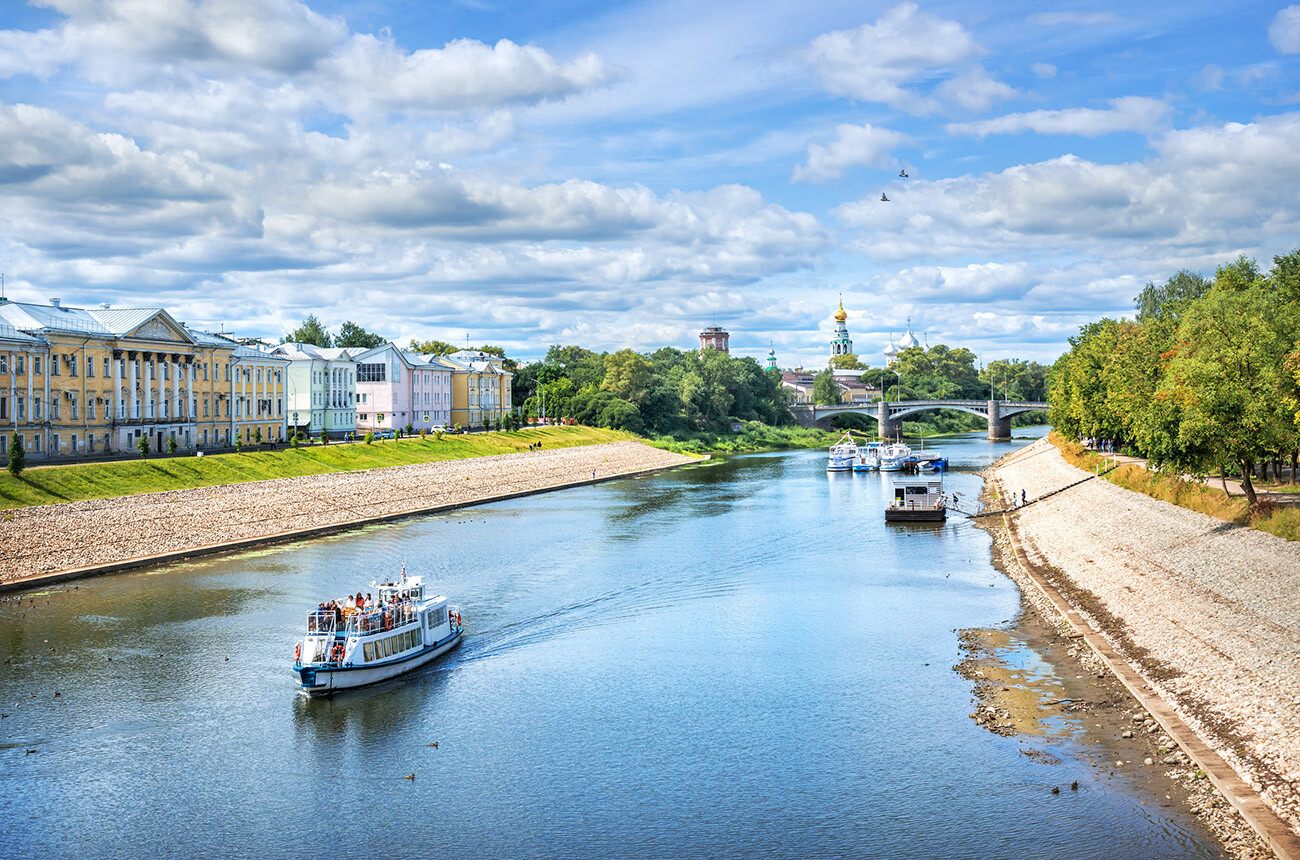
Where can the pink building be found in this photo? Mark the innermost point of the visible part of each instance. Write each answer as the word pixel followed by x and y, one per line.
pixel 396 388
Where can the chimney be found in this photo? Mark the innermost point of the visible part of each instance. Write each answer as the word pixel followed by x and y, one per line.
pixel 54 302
pixel 105 305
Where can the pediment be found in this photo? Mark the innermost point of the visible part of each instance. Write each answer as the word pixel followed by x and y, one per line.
pixel 159 327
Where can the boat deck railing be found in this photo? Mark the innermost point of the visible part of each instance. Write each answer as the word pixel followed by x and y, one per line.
pixel 366 621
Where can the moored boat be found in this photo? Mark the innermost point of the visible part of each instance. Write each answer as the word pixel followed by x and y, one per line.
pixel 917 500
pixel 893 456
pixel 842 454
pixel 868 457
pixel 351 645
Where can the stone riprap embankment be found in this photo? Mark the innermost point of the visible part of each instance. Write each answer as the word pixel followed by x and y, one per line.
pixel 1209 612
pixel 52 538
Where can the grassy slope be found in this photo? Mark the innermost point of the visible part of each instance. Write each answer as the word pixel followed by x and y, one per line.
pixel 1193 495
pixel 130 477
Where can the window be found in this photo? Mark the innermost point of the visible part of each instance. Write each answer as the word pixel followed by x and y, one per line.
pixel 205 371
pixel 371 372
pixel 90 444
pixel 54 444
pixel 388 646
pixel 73 449
pixel 105 441
pixel 369 649
pixel 279 406
pixel 36 440
pixel 4 408
pixel 20 364
pixel 73 407
pixel 54 411
pixel 36 370
pixel 54 371
pixel 259 374
pixel 205 407
pixel 107 373
pixel 152 407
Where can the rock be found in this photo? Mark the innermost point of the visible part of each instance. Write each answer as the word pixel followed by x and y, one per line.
pixel 1149 762
pixel 1126 734
pixel 1119 764
pixel 1169 759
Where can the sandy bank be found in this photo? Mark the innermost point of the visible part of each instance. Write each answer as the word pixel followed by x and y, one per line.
pixel 1209 613
pixel 52 538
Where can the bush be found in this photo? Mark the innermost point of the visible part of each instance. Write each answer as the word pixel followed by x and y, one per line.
pixel 293 440
pixel 424 432
pixel 257 436
pixel 239 443
pixel 410 429
pixel 17 456
pixel 324 438
pixel 143 446
pixel 437 435
pixel 171 444
pixel 370 437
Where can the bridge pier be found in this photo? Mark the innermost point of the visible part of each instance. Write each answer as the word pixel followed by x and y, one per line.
pixel 886 426
pixel 999 427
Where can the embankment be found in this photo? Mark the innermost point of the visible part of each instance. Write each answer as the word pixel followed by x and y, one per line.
pixel 1204 613
pixel 50 542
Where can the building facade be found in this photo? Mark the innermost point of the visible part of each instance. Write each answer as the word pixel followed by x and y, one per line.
pixel 396 389
pixel 257 390
pixel 480 387
pixel 715 337
pixel 321 389
pixel 94 381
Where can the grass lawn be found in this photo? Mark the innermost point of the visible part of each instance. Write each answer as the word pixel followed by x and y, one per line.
pixel 130 477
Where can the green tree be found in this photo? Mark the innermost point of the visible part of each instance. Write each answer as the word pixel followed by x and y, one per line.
pixel 352 335
pixel 825 391
pixel 17 456
pixel 1170 299
pixel 311 331
pixel 848 361
pixel 171 444
pixel 143 446
pixel 239 443
pixel 627 375
pixel 257 436
pixel 431 347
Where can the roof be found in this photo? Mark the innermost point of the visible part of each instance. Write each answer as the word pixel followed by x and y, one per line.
pixel 308 352
pixel 99 322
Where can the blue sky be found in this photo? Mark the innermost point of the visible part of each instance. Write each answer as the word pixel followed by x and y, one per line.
pixel 620 175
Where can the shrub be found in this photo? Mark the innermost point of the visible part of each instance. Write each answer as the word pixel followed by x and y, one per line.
pixel 239 443
pixel 293 440
pixel 410 429
pixel 171 444
pixel 437 435
pixel 17 456
pixel 370 437
pixel 143 446
pixel 424 432
pixel 324 438
pixel 257 436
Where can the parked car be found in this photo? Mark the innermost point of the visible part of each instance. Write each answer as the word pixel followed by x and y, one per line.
pixel 385 434
pixel 440 428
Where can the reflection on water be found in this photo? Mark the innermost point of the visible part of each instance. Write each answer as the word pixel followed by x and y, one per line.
pixel 732 659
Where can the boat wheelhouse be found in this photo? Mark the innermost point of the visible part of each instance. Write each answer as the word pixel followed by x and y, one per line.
pixel 350 645
pixel 842 454
pixel 917 500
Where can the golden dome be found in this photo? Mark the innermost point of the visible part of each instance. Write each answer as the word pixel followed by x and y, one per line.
pixel 840 315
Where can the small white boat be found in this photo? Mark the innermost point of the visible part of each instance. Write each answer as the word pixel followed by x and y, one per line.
pixel 868 458
pixel 842 454
pixel 349 646
pixel 893 456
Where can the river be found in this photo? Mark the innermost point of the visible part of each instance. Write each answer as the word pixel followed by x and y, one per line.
pixel 736 659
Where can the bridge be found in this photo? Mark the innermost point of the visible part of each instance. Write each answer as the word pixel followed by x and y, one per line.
pixel 889 414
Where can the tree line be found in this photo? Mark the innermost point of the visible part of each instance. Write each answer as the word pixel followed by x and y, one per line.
pixel 1205 378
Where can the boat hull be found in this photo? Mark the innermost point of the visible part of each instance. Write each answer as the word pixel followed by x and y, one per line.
pixel 316 681
pixel 924 515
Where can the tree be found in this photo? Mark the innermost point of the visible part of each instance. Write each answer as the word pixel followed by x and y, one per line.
pixel 848 361
pixel 239 443
pixel 431 347
pixel 825 390
pixel 627 375
pixel 17 456
pixel 311 331
pixel 353 335
pixel 293 440
pixel 1170 299
pixel 257 436
pixel 171 444
pixel 143 446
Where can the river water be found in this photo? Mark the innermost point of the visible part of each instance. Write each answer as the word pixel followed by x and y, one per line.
pixel 736 659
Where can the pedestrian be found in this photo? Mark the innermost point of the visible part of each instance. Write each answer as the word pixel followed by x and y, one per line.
pixel 1022 497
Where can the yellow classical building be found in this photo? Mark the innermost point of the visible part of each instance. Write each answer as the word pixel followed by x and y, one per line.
pixel 82 382
pixel 480 387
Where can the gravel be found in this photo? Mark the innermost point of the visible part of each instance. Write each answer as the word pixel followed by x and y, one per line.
pixel 51 538
pixel 1209 612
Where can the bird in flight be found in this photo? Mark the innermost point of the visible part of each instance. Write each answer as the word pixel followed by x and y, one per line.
pixel 902 174
pixel 883 198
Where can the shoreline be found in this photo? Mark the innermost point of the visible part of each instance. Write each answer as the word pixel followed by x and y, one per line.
pixel 1053 551
pixel 504 476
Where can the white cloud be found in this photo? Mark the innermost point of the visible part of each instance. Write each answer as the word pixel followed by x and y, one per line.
pixel 865 145
pixel 973 282
pixel 1209 78
pixel 1206 191
pixel 876 62
pixel 974 89
pixel 1284 32
pixel 1130 113
pixel 1074 19
pixel 1043 70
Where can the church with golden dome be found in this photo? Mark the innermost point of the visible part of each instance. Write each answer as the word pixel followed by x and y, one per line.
pixel 841 344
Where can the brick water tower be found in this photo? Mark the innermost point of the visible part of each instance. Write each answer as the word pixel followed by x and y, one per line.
pixel 715 337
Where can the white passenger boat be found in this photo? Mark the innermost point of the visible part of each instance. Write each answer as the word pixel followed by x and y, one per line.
pixel 842 454
pixel 868 457
pixel 351 646
pixel 893 456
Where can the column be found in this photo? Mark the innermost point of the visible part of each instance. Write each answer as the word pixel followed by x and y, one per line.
pixel 178 408
pixel 117 387
pixel 999 427
pixel 132 383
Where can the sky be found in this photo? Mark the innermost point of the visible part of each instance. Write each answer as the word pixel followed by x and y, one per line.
pixel 621 175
